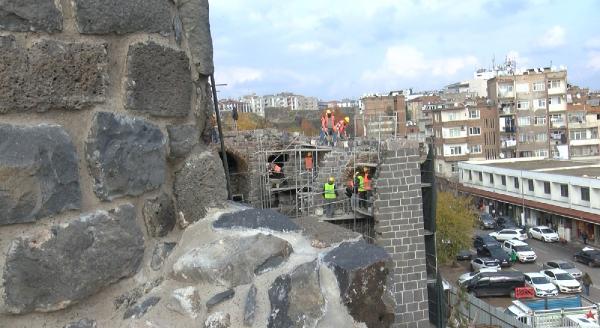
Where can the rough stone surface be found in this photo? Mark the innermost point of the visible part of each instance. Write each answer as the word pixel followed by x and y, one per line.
pixel 126 155
pixel 297 297
pixel 182 139
pixel 30 15
pixel 159 215
pixel 186 301
pixel 202 170
pixel 83 323
pixel 256 219
pixel 219 298
pixel 230 261
pixel 68 263
pixel 38 173
pixel 218 320
pixel 160 254
pixel 137 311
pixel 196 26
pixel 159 81
pixel 250 307
pixel 131 297
pixel 51 75
pixel 122 16
pixel 361 271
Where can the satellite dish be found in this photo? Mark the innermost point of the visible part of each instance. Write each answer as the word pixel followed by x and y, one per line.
pixel 501 155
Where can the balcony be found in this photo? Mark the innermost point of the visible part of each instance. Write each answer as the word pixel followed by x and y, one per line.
pixel 558 124
pixel 582 124
pixel 504 111
pixel 585 142
pixel 557 107
pixel 508 143
pixel 508 129
pixel 558 90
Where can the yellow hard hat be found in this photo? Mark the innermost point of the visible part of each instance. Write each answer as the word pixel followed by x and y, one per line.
pixel 347 119
pixel 328 111
pixel 331 179
pixel 366 169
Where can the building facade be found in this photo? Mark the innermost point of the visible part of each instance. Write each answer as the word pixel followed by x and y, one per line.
pixel 392 104
pixel 582 121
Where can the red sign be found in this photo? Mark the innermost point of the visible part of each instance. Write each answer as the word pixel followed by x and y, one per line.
pixel 524 292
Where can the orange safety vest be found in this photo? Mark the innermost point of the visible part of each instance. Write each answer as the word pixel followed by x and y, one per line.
pixel 324 122
pixel 308 163
pixel 277 168
pixel 367 182
pixel 340 126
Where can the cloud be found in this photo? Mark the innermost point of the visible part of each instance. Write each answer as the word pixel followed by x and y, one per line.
pixel 404 61
pixel 593 43
pixel 234 76
pixel 553 37
pixel 593 61
pixel 309 46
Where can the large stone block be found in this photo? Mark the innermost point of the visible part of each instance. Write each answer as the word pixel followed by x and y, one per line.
pixel 256 219
pixel 39 174
pixel 126 155
pixel 123 16
pixel 232 261
pixel 51 75
pixel 362 271
pixel 196 26
pixel 159 80
pixel 199 184
pixel 68 263
pixel 159 215
pixel 182 139
pixel 30 15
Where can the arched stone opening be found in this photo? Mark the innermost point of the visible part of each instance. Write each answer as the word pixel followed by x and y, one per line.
pixel 239 175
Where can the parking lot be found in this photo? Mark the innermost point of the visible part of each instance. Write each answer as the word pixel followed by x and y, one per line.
pixel 545 252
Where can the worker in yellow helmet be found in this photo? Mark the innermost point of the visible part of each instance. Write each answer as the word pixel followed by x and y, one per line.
pixel 330 196
pixel 327 127
pixel 340 128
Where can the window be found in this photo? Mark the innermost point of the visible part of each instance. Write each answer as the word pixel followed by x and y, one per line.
pixel 480 176
pixel 546 187
pixel 530 183
pixel 454 167
pixel 454 132
pixel 475 149
pixel 474 131
pixel 491 178
pixel 516 182
pixel 474 113
pixel 538 86
pixel 541 137
pixel 452 116
pixel 564 190
pixel 577 135
pixel 540 120
pixel 526 137
pixel 470 176
pixel 504 88
pixel 503 179
pixel 553 84
pixel 524 121
pixel 539 103
pixel 585 194
pixel 541 153
pixel 554 101
pixel 523 104
pixel 455 150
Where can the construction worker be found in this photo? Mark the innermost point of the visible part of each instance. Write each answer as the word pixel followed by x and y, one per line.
pixel 362 193
pixel 327 127
pixel 367 185
pixel 330 195
pixel 341 128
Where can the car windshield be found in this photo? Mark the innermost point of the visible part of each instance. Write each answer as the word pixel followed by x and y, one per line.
pixel 563 276
pixel 523 248
pixel 547 231
pixel 566 266
pixel 539 280
pixel 593 253
pixel 491 263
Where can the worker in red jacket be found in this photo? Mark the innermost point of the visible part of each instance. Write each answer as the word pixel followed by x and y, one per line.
pixel 327 127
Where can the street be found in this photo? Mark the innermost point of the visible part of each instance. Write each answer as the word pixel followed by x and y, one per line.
pixel 545 252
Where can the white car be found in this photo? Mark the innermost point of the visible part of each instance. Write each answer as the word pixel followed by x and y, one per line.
pixel 484 262
pixel 508 234
pixel 543 233
pixel 524 252
pixel 466 277
pixel 542 286
pixel 563 280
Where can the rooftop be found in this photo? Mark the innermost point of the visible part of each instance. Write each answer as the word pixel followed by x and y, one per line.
pixel 588 168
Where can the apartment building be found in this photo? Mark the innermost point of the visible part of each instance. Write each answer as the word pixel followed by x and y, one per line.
pixel 462 131
pixel 564 194
pixel 387 105
pixel 583 122
pixel 532 108
pixel 230 104
pixel 256 103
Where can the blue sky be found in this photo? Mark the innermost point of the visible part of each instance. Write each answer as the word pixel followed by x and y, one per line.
pixel 334 49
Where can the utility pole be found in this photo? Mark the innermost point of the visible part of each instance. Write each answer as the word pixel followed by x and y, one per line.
pixel 223 152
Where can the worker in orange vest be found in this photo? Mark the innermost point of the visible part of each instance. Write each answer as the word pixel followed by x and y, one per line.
pixel 367 185
pixel 341 128
pixel 327 127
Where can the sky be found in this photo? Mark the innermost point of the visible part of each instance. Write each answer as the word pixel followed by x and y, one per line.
pixel 334 49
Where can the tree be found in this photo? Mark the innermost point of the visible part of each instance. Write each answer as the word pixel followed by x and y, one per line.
pixel 251 121
pixel 308 129
pixel 455 219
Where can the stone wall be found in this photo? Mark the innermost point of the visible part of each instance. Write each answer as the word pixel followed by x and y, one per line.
pixel 398 214
pixel 102 105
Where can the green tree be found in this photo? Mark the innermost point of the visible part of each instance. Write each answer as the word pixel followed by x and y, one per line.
pixel 455 219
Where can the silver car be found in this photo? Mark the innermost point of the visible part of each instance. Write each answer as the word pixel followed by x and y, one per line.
pixel 564 265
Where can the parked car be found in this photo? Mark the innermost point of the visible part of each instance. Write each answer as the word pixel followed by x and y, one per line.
pixel 486 221
pixel 464 255
pixel 589 256
pixel 465 277
pixel 563 280
pixel 508 234
pixel 482 241
pixel 542 286
pixel 501 283
pixel 543 233
pixel 564 265
pixel 524 252
pixel 484 262
pixel 496 252
pixel 504 222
